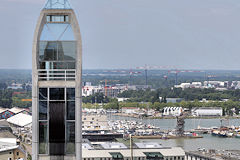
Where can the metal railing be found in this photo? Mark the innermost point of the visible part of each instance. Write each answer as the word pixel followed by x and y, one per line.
pixel 56 74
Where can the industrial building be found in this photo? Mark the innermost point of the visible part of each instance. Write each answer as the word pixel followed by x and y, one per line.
pixel 207 111
pixel 172 111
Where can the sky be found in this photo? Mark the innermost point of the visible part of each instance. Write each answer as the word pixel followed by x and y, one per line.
pixel 189 34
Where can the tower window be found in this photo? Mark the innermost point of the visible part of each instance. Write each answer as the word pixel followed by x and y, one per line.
pixel 57 18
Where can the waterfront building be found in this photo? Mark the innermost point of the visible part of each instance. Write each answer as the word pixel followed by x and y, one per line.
pixel 56 78
pixel 143 151
pixel 207 111
pixel 172 111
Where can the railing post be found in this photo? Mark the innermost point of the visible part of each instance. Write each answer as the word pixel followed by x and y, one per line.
pixel 65 75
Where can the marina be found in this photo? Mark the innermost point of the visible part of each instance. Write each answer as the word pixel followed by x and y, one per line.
pixel 208 141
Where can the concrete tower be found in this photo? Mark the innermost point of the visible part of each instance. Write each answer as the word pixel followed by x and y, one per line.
pixel 56 78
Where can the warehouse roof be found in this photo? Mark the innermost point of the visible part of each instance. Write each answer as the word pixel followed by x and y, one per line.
pixel 17 110
pixel 20 119
pixel 148 145
pixel 96 154
pixel 106 153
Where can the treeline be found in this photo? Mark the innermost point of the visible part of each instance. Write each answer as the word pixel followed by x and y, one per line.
pixel 229 107
pixel 189 94
pixel 13 98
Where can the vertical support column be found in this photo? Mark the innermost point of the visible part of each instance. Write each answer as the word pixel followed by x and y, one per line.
pixel 78 117
pixel 78 91
pixel 35 117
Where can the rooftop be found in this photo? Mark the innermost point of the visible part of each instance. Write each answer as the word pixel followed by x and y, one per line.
pixel 148 145
pixel 20 119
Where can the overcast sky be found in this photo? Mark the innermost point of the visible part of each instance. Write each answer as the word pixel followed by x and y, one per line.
pixel 191 34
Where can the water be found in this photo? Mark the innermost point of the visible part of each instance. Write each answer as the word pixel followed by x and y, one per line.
pixel 208 141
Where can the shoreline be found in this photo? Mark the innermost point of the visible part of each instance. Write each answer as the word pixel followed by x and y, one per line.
pixel 189 117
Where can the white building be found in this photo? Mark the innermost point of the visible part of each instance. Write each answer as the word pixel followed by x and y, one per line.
pixel 172 111
pixel 89 90
pixel 207 111
pixel 189 85
pixel 15 86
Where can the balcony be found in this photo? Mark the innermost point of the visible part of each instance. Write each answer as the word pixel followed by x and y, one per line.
pixel 56 74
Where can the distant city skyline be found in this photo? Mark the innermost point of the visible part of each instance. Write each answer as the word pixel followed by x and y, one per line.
pixel 189 34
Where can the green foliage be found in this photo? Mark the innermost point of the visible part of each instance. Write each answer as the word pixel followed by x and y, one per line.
pixel 189 94
pixel 8 99
pixel 111 105
pixel 96 98
pixel 29 157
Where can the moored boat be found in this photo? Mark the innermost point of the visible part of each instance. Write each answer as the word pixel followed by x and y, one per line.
pixel 238 135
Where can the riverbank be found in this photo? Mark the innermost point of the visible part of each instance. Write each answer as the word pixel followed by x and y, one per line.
pixel 165 117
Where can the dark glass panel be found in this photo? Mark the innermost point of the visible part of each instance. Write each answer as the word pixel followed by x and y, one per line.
pixel 42 65
pixel 56 93
pixel 70 110
pixel 59 65
pixel 70 93
pixel 42 47
pixel 60 52
pixel 42 110
pixel 56 127
pixel 70 141
pixel 69 49
pixel 70 65
pixel 43 137
pixel 43 94
pixel 50 52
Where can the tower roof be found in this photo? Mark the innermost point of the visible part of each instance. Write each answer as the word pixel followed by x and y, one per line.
pixel 57 4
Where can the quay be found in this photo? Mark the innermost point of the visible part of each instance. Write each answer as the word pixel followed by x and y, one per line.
pixel 196 155
pixel 202 154
pixel 165 137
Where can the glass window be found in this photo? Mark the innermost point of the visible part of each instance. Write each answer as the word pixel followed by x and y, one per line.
pixel 70 93
pixel 57 18
pixel 53 51
pixel 70 110
pixel 66 18
pixel 43 137
pixel 50 51
pixel 70 142
pixel 56 93
pixel 42 110
pixel 70 65
pixel 42 47
pixel 48 19
pixel 56 127
pixel 43 94
pixel 69 49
